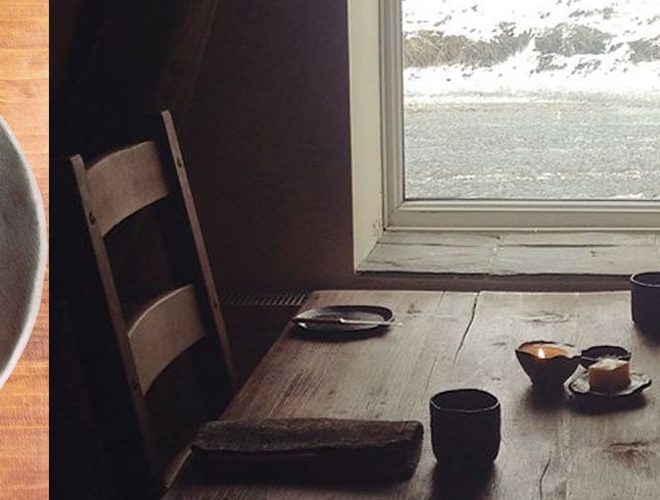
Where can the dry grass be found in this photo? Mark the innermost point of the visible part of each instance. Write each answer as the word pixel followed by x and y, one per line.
pixel 645 50
pixel 434 48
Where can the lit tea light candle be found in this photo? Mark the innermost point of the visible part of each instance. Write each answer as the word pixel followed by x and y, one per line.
pixel 547 363
pixel 545 350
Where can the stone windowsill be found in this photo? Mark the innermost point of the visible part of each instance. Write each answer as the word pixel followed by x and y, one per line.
pixel 590 255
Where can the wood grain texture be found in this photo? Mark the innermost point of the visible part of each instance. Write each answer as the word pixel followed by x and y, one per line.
pixel 577 256
pixel 450 340
pixel 24 104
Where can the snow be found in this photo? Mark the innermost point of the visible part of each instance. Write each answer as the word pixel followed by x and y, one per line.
pixel 611 73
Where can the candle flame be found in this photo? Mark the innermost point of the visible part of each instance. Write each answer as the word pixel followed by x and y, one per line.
pixel 541 353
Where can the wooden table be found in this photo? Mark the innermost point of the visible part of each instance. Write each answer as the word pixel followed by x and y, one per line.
pixel 450 340
pixel 24 105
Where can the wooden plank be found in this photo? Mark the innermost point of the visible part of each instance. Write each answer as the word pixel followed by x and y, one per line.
pixel 24 33
pixel 37 126
pixel 384 377
pixel 122 183
pixel 24 105
pixel 617 455
pixel 24 63
pixel 532 431
pixel 451 340
pixel 32 10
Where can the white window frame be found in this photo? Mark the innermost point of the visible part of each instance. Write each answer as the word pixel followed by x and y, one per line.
pixel 467 215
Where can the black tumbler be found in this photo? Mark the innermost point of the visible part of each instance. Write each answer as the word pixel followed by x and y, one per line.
pixel 465 429
pixel 645 301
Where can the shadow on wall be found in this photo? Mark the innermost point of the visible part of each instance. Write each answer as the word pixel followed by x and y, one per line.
pixel 268 146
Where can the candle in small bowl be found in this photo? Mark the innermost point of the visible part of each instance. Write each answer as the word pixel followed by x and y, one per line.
pixel 548 364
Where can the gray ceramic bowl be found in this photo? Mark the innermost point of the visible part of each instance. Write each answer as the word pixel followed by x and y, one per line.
pixel 23 251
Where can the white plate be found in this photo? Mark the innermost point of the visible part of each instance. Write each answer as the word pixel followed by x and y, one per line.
pixel 22 252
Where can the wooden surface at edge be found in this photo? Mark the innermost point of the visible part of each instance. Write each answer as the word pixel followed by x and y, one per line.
pixel 24 465
pixel 549 450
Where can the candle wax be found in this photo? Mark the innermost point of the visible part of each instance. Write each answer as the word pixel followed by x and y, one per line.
pixel 549 351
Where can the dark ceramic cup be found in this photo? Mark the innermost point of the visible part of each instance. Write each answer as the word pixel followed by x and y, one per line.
pixel 465 429
pixel 645 301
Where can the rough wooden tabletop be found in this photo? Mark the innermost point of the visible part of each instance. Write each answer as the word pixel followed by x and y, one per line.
pixel 449 340
pixel 24 105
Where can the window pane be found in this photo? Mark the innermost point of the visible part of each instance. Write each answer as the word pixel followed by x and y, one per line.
pixel 532 99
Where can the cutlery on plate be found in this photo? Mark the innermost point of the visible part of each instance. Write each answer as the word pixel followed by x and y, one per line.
pixel 343 321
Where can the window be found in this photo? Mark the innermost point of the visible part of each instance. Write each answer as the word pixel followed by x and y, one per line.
pixel 517 115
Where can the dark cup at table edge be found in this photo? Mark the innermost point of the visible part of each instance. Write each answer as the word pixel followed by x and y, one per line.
pixel 472 390
pixel 645 301
pixel 477 459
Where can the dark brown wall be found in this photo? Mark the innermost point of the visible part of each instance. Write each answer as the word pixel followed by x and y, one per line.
pixel 63 17
pixel 266 140
pixel 267 143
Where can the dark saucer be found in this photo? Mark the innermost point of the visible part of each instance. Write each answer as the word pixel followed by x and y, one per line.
pixel 595 353
pixel 580 388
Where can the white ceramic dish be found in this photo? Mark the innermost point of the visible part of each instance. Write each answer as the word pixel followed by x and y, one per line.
pixel 23 251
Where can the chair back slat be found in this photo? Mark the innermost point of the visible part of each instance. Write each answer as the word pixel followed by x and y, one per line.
pixel 166 328
pixel 124 182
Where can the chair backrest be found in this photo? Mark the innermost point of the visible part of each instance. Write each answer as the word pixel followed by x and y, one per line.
pixel 140 186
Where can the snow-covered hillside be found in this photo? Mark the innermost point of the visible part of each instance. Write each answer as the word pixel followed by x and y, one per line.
pixel 510 49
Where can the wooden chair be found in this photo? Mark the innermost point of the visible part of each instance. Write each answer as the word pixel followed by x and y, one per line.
pixel 155 326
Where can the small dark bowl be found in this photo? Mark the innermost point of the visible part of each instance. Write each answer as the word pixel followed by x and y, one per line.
pixel 550 372
pixel 645 301
pixel 598 352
